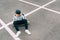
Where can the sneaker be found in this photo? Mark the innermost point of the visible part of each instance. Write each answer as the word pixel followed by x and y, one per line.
pixel 28 22
pixel 27 31
pixel 18 33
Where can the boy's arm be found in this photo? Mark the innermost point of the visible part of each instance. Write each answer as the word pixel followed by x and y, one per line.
pixel 14 18
pixel 24 17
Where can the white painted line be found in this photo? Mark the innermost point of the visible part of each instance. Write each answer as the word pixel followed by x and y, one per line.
pixel 37 4
pixel 9 30
pixel 51 10
pixel 43 6
pixel 10 23
pixel 1 28
pixel 2 23
pixel 33 11
pixel 49 3
pixel 30 3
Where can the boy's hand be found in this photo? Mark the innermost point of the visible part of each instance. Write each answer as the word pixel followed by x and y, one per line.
pixel 23 14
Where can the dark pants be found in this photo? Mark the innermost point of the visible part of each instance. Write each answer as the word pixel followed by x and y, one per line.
pixel 18 23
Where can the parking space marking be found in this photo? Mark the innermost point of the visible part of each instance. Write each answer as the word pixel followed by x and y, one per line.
pixel 42 6
pixel 1 28
pixel 9 30
pixel 39 7
pixel 9 23
pixel 49 3
pixel 1 24
pixel 51 10
pixel 30 3
pixel 37 4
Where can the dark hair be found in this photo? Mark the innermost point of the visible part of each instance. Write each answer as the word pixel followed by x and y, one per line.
pixel 18 11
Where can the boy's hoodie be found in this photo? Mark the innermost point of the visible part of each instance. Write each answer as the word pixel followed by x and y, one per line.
pixel 15 18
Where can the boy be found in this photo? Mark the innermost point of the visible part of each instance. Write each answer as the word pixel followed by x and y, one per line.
pixel 18 20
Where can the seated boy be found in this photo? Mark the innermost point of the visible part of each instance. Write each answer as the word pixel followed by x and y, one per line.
pixel 18 20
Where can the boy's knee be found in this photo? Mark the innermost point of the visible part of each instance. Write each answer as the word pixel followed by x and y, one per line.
pixel 14 23
pixel 24 19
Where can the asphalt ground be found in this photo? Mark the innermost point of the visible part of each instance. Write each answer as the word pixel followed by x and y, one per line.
pixel 44 22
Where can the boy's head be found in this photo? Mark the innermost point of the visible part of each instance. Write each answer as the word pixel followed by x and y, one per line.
pixel 18 11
